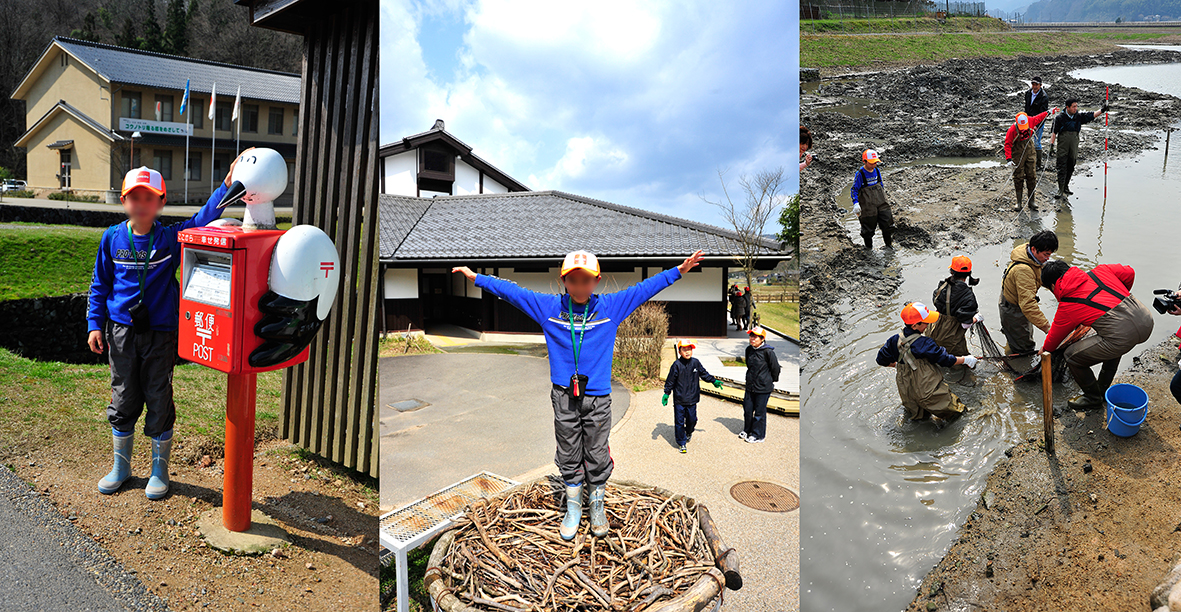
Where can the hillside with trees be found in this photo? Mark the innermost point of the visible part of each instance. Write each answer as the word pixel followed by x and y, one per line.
pixel 215 30
pixel 1103 10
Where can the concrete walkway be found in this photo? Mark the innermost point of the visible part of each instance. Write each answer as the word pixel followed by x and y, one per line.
pixel 485 412
pixel 768 544
pixel 711 351
pixel 47 565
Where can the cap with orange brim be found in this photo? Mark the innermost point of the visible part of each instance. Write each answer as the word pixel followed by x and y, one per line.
pixel 143 177
pixel 961 263
pixel 581 260
pixel 916 312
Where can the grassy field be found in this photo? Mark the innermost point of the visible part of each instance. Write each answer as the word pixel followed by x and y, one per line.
pixel 872 51
pixel 39 260
pixel 782 316
pixel 49 403
pixel 902 24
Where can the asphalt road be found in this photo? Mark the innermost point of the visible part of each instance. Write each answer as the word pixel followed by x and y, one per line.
pixel 47 565
pixel 486 412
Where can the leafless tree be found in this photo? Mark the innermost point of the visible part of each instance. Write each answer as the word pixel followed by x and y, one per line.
pixel 761 196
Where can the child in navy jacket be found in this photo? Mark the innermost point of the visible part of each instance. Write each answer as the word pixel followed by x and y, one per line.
pixel 682 384
pixel 133 313
pixel 580 330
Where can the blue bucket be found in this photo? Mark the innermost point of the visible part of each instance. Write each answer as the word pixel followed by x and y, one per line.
pixel 1127 408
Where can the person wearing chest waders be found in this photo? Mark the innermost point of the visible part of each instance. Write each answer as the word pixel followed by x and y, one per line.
pixel 738 309
pixel 1021 156
pixel 1018 302
pixel 1102 300
pixel 580 329
pixel 917 358
pixel 1037 101
pixel 1065 134
pixel 869 201
pixel 955 302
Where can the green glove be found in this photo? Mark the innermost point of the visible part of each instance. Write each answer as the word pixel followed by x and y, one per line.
pixel 717 384
pixel 664 400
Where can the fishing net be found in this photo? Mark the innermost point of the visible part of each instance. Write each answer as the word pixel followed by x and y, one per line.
pixel 1058 370
pixel 990 350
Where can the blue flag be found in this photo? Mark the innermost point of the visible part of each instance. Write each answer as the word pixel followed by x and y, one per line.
pixel 184 101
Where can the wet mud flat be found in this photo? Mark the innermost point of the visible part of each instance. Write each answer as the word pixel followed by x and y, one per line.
pixel 958 108
pixel 1095 526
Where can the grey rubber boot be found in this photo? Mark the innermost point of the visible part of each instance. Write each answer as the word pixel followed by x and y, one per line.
pixel 598 514
pixel 122 465
pixel 158 483
pixel 573 517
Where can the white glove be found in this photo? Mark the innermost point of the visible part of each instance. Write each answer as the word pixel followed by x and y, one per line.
pixel 857 209
pixel 970 361
pixel 1009 164
pixel 979 318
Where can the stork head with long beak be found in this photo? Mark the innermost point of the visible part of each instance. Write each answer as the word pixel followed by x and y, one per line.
pixel 259 176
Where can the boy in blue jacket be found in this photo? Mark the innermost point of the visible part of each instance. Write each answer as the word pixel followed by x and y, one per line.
pixel 682 383
pixel 580 330
pixel 133 312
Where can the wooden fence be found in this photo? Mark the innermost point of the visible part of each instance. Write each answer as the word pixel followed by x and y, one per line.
pixel 329 402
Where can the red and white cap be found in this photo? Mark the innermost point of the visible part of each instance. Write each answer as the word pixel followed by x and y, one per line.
pixel 1022 121
pixel 683 343
pixel 580 259
pixel 870 156
pixel 916 312
pixel 144 177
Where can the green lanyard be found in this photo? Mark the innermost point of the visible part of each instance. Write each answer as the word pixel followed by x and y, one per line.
pixel 143 272
pixel 577 345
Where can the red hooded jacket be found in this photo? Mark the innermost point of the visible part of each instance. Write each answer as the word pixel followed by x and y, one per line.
pixel 1081 300
pixel 1014 134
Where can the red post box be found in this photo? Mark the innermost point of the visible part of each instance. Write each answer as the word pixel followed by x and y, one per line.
pixel 224 274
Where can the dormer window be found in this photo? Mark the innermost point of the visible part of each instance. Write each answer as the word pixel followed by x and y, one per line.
pixel 436 163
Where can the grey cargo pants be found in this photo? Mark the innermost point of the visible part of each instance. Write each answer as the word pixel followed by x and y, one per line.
pixel 1117 332
pixel 581 428
pixel 141 374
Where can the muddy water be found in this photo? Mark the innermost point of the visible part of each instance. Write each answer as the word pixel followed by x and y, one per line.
pixel 1161 78
pixel 885 498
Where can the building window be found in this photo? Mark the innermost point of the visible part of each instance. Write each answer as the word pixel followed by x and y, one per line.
pixel 194 167
pixel 221 165
pixel 65 59
pixel 249 118
pixel 131 105
pixel 165 104
pixel 162 163
pixel 290 172
pixel 136 159
pixel 436 161
pixel 294 122
pixel 225 114
pixel 197 112
pixel 275 121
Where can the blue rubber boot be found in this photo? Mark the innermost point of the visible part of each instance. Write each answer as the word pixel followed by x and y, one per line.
pixel 570 524
pixel 161 450
pixel 122 468
pixel 598 514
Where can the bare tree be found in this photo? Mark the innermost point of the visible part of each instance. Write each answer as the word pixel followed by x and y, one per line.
pixel 761 196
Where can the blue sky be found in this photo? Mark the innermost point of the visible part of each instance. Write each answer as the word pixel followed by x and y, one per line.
pixel 634 103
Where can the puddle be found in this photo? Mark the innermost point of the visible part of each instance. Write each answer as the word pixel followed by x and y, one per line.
pixel 856 108
pixel 1161 78
pixel 886 498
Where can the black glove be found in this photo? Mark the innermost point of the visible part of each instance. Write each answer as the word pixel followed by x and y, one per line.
pixel 288 328
pixel 1104 109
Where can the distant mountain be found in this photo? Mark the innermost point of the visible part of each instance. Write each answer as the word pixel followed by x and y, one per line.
pixel 1103 10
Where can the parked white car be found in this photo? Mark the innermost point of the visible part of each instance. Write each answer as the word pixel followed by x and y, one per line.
pixel 14 185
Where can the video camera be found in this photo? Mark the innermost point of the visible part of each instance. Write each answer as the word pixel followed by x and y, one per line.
pixel 1165 300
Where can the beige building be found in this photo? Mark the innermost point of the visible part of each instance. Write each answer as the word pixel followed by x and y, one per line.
pixel 85 101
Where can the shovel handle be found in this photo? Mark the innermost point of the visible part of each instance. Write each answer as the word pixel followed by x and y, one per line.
pixel 1048 402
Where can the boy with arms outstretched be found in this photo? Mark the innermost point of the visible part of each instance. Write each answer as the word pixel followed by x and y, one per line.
pixel 580 330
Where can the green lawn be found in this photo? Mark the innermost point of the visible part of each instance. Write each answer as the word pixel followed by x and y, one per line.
pixel 39 261
pixel 50 403
pixel 782 316
pixel 840 51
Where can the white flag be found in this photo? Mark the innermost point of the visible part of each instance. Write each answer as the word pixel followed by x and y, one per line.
pixel 212 102
pixel 237 104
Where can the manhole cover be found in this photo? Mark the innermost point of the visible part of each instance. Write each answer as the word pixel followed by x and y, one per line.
pixel 409 405
pixel 765 496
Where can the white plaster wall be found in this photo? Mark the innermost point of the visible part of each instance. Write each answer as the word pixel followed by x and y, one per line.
pixel 541 282
pixel 401 174
pixel 491 186
pixel 467 179
pixel 703 286
pixel 401 283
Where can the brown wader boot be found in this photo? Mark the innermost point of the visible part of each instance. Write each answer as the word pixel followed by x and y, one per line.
pixel 1039 159
pixel 1092 396
pixel 1019 184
